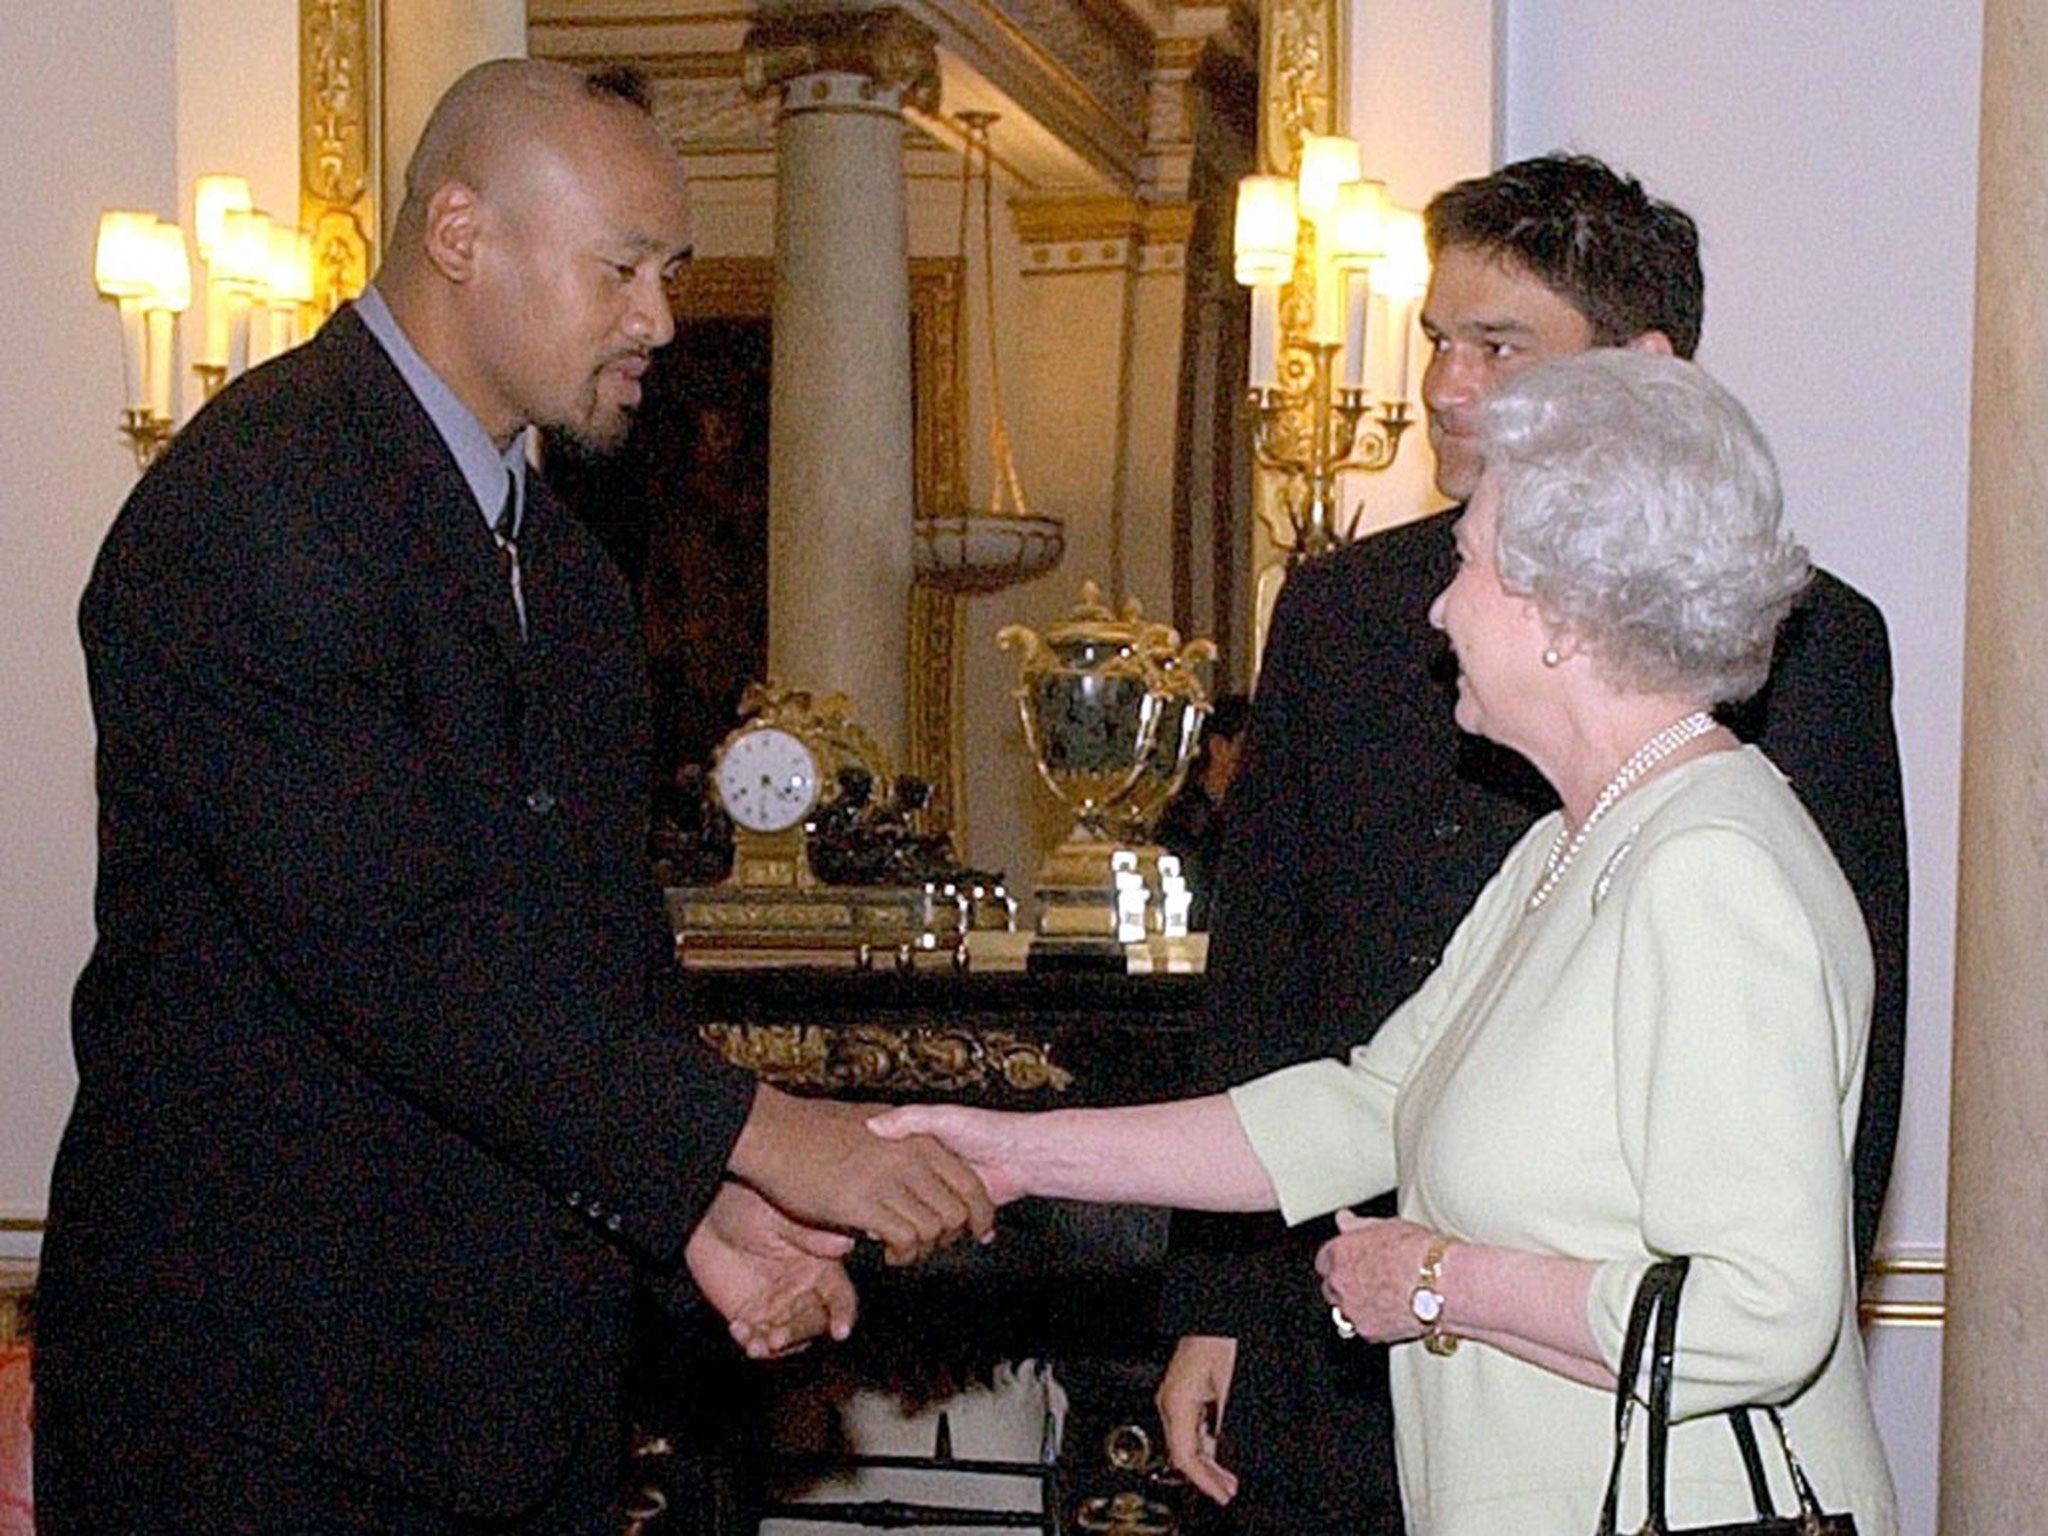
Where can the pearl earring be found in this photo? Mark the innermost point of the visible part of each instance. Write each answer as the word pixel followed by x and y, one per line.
pixel 1550 656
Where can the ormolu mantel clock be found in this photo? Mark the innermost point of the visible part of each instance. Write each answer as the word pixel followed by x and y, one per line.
pixel 774 776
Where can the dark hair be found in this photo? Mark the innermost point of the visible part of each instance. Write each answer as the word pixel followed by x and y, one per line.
pixel 621 81
pixel 1626 261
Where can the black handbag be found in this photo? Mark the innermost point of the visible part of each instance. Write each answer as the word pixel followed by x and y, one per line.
pixel 1657 1301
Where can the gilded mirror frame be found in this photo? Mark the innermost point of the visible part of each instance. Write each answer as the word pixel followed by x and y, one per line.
pixel 340 64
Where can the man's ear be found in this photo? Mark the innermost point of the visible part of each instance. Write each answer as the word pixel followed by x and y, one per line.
pixel 453 224
pixel 1652 341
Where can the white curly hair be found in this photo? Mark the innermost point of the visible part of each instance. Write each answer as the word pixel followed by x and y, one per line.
pixel 1639 508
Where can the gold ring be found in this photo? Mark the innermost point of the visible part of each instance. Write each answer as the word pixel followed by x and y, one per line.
pixel 1342 1323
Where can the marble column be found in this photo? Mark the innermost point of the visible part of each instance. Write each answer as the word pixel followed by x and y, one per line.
pixel 841 473
pixel 1995 1350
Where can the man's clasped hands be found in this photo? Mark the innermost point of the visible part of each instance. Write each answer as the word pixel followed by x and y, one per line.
pixel 806 1179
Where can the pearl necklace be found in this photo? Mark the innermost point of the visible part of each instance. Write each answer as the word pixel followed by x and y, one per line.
pixel 1652 752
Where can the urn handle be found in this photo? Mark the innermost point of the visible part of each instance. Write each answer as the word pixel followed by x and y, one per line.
pixel 1036 655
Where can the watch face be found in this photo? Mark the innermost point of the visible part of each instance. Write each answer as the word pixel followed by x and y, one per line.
pixel 1428 1305
pixel 767 779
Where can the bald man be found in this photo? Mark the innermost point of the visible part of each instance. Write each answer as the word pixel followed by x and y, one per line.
pixel 384 1108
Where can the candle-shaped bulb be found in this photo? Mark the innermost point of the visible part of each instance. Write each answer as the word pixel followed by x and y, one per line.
pixel 1327 163
pixel 1355 230
pixel 1266 230
pixel 1264 369
pixel 1357 309
pixel 213 196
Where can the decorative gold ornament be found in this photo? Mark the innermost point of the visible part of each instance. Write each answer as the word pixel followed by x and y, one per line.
pixel 892 50
pixel 875 1058
pixel 338 145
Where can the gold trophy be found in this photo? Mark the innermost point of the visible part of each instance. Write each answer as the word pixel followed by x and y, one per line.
pixel 1112 707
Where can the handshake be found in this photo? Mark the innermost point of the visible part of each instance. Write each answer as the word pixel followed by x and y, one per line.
pixel 806 1178
pixel 916 1178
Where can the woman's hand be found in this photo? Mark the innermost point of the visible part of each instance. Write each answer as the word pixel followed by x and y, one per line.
pixel 994 1144
pixel 1529 1305
pixel 1369 1271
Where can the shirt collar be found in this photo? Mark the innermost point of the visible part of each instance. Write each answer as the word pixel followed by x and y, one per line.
pixel 483 464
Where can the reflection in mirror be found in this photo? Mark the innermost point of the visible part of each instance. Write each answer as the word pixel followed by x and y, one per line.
pixel 1124 131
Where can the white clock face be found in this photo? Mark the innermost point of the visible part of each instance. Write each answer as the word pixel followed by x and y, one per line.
pixel 767 779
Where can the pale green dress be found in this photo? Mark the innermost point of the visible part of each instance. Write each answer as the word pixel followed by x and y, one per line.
pixel 1666 1058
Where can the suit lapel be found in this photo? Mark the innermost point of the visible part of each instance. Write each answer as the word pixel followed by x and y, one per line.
pixel 577 606
pixel 412 482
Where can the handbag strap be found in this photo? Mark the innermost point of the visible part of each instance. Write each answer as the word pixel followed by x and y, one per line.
pixel 1809 1502
pixel 1752 1462
pixel 1662 1352
pixel 1653 1324
pixel 1659 1283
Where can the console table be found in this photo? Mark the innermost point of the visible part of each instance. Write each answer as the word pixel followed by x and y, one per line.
pixel 1071 1284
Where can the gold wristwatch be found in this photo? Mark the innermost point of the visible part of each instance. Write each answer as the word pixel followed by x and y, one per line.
pixel 1426 1301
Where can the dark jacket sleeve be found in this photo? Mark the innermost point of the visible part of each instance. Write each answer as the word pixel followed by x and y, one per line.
pixel 1825 719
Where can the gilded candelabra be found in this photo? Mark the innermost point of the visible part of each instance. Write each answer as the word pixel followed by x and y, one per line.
pixel 1336 276
pixel 147 433
pixel 1312 435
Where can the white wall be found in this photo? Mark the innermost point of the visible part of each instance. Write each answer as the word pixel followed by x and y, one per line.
pixel 426 44
pixel 237 85
pixel 1829 152
pixel 1419 95
pixel 110 103
pixel 87 126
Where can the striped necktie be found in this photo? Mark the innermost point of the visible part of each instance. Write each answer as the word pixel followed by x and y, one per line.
pixel 506 532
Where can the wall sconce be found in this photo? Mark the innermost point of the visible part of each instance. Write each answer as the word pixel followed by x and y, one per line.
pixel 1336 277
pixel 259 277
pixel 140 264
pixel 237 283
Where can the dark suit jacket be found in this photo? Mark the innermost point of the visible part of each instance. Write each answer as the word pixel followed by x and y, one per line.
pixel 381 1108
pixel 1363 824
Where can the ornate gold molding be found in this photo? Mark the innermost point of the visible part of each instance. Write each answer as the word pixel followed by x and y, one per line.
pixel 1050 220
pixel 338 148
pixel 1073 235
pixel 873 1058
pixel 936 687
pixel 885 46
pixel 1297 78
pixel 1298 92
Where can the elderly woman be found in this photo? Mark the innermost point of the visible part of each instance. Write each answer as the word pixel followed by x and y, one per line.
pixel 1646 1039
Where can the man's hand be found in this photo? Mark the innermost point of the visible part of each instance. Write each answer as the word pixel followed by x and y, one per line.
pixel 994 1144
pixel 817 1159
pixel 1192 1396
pixel 778 1284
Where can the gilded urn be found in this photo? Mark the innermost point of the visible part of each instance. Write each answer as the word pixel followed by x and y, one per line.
pixel 1112 705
